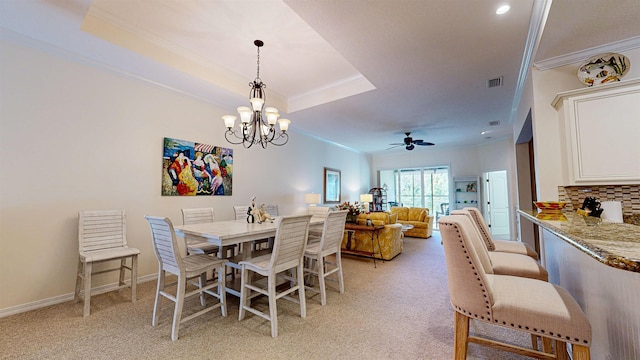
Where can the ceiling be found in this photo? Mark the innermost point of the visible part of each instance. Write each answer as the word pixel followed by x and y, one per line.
pixel 358 73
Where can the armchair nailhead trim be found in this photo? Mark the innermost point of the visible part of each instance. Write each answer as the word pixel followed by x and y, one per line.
pixel 543 332
pixel 484 291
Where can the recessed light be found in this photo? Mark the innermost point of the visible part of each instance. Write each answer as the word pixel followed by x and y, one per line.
pixel 484 132
pixel 503 9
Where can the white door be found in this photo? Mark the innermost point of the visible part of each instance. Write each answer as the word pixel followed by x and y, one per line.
pixel 497 205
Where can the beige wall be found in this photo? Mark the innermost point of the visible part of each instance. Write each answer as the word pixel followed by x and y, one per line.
pixel 73 136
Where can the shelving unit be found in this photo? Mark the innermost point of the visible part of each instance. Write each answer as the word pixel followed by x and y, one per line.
pixel 466 192
pixel 379 200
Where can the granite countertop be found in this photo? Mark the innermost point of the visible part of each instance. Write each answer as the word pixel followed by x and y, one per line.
pixel 616 245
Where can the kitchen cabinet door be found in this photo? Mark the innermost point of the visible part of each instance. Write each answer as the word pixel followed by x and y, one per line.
pixel 602 128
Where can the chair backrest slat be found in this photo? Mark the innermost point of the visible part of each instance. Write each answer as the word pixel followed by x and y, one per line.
pixel 290 241
pixel 318 211
pixel 271 209
pixel 197 215
pixel 101 229
pixel 164 244
pixel 333 230
pixel 241 212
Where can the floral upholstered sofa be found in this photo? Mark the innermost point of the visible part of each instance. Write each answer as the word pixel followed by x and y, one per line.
pixel 418 217
pixel 386 246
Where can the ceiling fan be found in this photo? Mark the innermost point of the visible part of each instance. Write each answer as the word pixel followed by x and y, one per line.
pixel 410 143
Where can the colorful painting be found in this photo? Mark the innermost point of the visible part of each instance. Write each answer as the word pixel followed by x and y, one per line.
pixel 194 169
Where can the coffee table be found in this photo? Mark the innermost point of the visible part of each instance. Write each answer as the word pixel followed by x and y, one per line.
pixel 406 227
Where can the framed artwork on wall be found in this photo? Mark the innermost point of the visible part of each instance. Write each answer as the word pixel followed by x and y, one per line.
pixel 331 186
pixel 195 169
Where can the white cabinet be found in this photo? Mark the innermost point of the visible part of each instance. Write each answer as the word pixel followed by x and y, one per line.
pixel 602 131
pixel 466 192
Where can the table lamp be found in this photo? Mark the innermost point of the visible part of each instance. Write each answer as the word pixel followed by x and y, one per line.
pixel 365 199
pixel 312 199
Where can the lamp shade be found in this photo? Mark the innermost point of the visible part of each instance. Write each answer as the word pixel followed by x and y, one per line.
pixel 366 198
pixel 311 198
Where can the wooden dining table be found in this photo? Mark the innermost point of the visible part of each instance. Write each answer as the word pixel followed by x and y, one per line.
pixel 233 232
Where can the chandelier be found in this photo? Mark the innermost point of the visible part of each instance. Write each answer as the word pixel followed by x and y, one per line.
pixel 253 128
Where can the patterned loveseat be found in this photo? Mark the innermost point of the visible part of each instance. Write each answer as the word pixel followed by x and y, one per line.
pixel 418 217
pixel 390 238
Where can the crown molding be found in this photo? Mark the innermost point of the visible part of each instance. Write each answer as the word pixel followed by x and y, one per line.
pixel 579 56
pixel 539 15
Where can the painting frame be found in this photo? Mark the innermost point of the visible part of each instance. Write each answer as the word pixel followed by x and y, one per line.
pixel 332 186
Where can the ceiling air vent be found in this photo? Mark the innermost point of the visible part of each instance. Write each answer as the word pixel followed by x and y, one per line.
pixel 495 82
pixel 494 123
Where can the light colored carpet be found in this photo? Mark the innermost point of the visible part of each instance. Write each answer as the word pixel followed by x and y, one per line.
pixel 399 310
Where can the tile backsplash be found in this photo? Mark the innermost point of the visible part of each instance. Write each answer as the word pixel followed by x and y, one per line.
pixel 629 195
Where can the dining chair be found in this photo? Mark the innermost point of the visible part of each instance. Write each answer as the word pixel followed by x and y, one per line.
pixel 102 237
pixel 271 209
pixel 315 231
pixel 241 213
pixel 444 210
pixel 197 245
pixel 532 306
pixel 316 253
pixel 287 256
pixel 185 268
pixel 506 246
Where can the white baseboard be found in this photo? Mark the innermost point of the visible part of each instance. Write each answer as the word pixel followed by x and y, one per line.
pixel 12 310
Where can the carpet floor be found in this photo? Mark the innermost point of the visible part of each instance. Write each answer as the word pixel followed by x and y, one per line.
pixel 399 310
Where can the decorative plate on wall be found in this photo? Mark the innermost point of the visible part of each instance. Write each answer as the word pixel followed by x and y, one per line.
pixel 603 68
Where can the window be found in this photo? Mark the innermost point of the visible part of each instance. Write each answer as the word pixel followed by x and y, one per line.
pixel 417 187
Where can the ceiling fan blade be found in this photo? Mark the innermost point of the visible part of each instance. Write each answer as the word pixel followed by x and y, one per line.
pixel 424 143
pixel 395 146
pixel 417 141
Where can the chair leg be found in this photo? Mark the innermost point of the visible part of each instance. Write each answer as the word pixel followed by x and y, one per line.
pixel 580 352
pixel 202 282
pixel 561 350
pixel 222 289
pixel 301 296
pixel 88 267
pixel 547 345
pixel 134 277
pixel 273 310
pixel 123 267
pixel 323 289
pixel 177 312
pixel 461 336
pixel 339 265
pixel 243 292
pixel 79 278
pixel 156 303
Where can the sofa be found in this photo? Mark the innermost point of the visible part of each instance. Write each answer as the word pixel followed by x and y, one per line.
pixel 418 217
pixel 388 244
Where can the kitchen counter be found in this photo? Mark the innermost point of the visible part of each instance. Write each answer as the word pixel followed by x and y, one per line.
pixel 615 245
